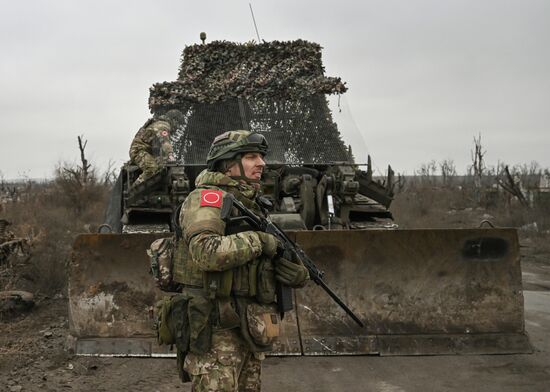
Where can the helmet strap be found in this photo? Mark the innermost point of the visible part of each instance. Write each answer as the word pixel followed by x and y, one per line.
pixel 242 176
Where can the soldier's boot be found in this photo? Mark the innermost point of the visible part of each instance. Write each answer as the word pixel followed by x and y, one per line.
pixel 141 179
pixel 147 173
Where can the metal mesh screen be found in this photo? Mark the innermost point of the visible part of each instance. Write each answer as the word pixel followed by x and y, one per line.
pixel 299 131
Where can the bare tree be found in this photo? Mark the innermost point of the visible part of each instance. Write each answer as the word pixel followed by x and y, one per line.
pixel 530 174
pixel 448 170
pixel 3 188
pixel 512 185
pixel 477 169
pixel 81 175
pixel 110 175
pixel 478 164
pixel 399 184
pixel 427 172
pixel 546 177
pixel 85 165
pixel 78 183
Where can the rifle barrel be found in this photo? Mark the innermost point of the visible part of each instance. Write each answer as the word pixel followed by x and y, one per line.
pixel 332 295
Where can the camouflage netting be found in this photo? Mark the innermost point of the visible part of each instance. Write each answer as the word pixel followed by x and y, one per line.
pixel 298 131
pixel 222 70
pixel 276 88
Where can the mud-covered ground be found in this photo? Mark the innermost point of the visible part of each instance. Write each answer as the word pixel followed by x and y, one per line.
pixel 33 357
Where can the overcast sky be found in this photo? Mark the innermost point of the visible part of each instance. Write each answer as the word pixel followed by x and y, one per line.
pixel 424 77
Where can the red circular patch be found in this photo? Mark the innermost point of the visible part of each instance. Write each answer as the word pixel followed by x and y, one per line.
pixel 211 197
pixel 164 133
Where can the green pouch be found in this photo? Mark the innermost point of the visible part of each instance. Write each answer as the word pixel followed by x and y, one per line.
pixel 172 323
pixel 200 325
pixel 265 287
pixel 173 327
pixel 218 284
pixel 164 334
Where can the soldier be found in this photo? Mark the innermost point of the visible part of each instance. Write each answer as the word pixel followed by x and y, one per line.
pixel 151 147
pixel 231 271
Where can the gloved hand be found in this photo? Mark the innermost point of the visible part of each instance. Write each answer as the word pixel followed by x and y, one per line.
pixel 290 274
pixel 270 243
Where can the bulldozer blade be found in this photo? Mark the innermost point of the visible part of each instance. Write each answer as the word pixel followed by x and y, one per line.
pixel 112 298
pixel 111 294
pixel 418 292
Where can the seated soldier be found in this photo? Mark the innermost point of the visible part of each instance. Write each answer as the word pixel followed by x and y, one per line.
pixel 151 148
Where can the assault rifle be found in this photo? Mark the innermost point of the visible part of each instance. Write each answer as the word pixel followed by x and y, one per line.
pixel 292 251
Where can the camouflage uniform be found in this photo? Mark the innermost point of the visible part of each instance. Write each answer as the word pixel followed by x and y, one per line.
pixel 151 147
pixel 230 267
pixel 229 365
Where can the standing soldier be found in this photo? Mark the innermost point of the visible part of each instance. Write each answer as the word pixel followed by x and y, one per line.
pixel 231 271
pixel 151 148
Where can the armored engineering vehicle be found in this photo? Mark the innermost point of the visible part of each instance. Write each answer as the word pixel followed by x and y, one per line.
pixel 451 291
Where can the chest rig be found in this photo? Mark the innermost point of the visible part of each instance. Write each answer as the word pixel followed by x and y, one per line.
pixel 253 279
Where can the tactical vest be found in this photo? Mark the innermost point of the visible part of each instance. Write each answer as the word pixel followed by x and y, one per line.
pixel 254 279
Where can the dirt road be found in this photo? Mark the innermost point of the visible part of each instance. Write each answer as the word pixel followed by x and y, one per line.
pixel 486 373
pixel 33 358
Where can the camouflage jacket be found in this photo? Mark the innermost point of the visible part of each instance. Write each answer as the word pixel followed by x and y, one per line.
pixel 207 245
pixel 153 139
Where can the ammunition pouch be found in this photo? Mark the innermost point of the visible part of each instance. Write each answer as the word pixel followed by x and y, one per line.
pixel 260 324
pixel 172 326
pixel 261 282
pixel 186 321
pixel 218 284
pixel 172 321
pixel 265 287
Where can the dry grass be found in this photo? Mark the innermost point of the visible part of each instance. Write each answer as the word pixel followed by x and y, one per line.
pixel 424 205
pixel 49 216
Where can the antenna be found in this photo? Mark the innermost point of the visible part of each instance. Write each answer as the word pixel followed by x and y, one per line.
pixel 254 20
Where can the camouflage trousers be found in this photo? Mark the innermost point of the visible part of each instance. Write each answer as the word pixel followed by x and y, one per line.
pixel 148 164
pixel 228 366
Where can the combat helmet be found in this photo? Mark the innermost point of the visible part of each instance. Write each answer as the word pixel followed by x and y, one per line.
pixel 231 145
pixel 174 117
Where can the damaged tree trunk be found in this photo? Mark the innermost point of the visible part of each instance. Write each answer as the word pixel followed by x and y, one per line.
pixel 512 186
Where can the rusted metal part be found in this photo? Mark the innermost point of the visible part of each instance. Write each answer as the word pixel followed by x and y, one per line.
pixel 420 292
pixel 110 289
pixel 450 344
pixel 289 342
pixel 111 294
pixel 458 284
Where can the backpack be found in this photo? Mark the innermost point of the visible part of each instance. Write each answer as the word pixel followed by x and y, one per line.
pixel 161 254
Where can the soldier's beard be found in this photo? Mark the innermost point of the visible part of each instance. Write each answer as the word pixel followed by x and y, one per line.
pixel 242 178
